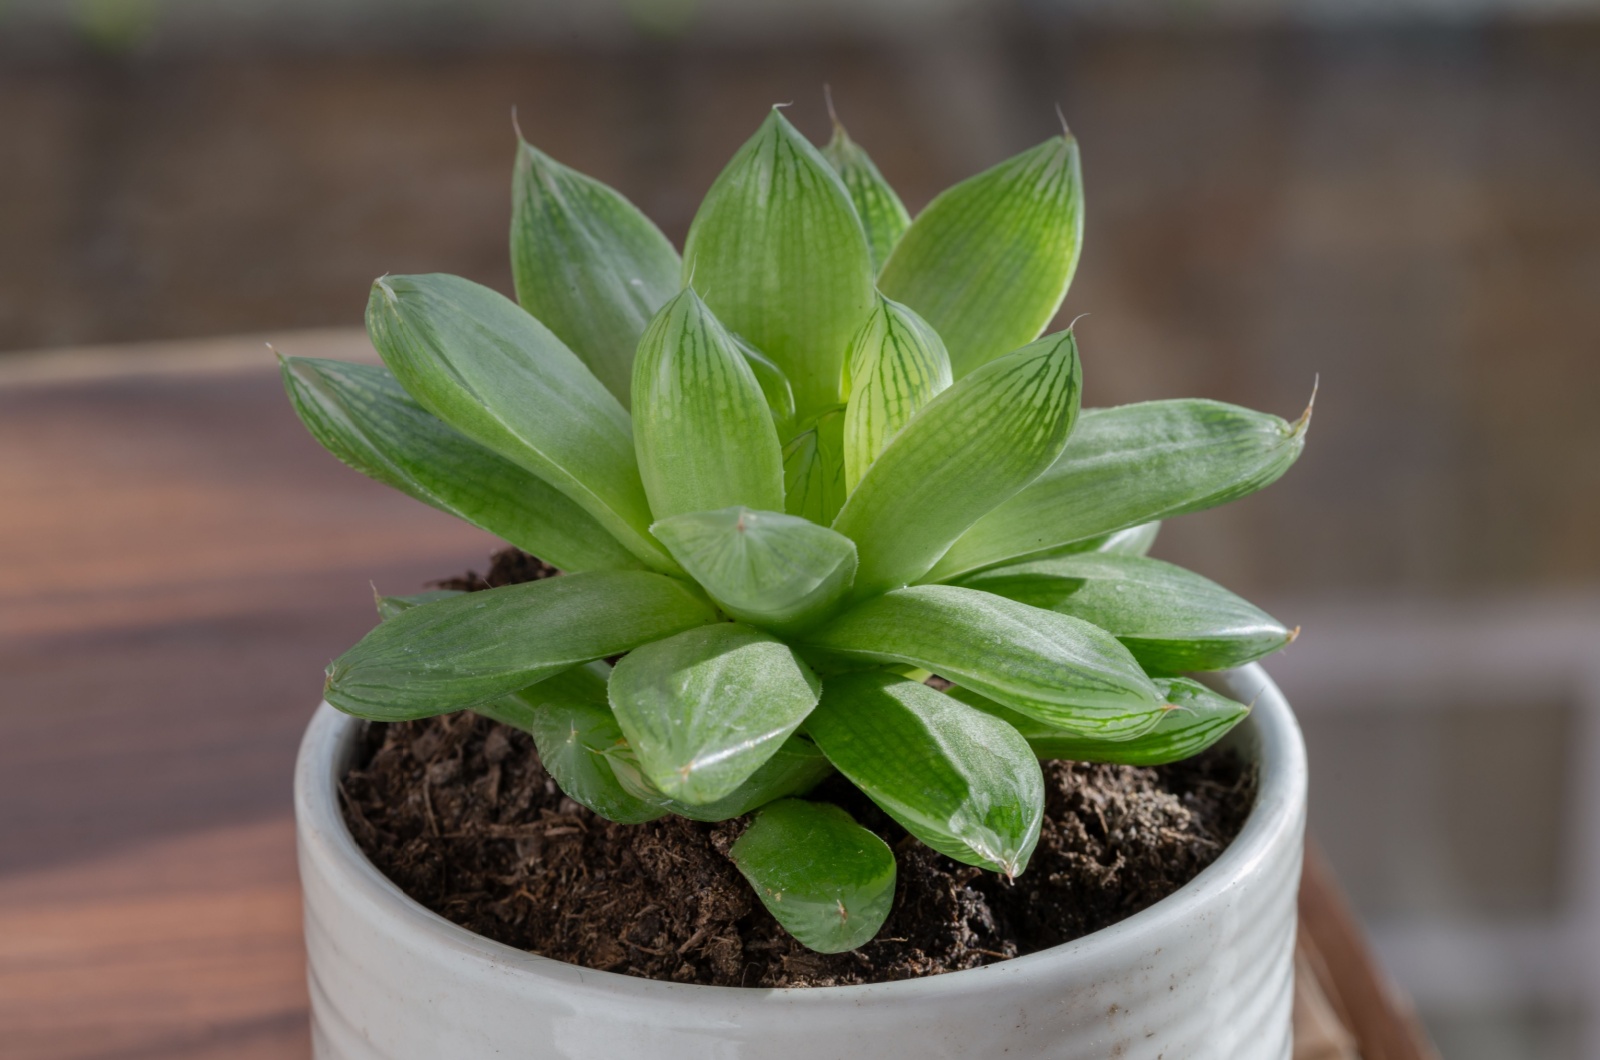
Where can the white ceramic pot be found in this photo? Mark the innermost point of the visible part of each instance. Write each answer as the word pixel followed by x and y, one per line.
pixel 1205 974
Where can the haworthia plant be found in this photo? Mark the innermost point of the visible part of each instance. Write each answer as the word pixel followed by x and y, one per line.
pixel 784 498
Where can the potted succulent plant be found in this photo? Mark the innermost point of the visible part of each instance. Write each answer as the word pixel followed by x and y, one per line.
pixel 819 459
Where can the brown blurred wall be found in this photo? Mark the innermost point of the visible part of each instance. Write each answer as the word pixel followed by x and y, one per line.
pixel 1415 215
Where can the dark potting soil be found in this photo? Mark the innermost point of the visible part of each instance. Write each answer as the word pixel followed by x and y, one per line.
pixel 460 814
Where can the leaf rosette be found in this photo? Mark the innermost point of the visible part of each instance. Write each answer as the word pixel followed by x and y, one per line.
pixel 825 453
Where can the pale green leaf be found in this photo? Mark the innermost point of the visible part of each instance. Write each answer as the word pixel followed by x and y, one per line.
pixel 777 251
pixel 989 261
pixel 794 769
pixel 827 880
pixel 897 364
pixel 968 450
pixel 483 365
pixel 1171 619
pixel 813 469
pixel 1058 669
pixel 472 648
pixel 774 570
pixel 587 263
pixel 362 415
pixel 705 708
pixel 882 213
pixel 1194 719
pixel 703 433
pixel 958 779
pixel 1130 465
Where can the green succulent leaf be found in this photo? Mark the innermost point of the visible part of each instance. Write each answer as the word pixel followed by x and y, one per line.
pixel 703 433
pixel 1171 619
pixel 1061 670
pixel 587 263
pixel 794 769
pixel 705 708
pixel 882 213
pixel 1133 541
pixel 813 469
pixel 362 415
pixel 897 364
pixel 969 449
pixel 827 880
pixel 389 606
pixel 1129 465
pixel 573 728
pixel 989 261
pixel 774 385
pixel 472 648
pixel 777 251
pixel 958 779
pixel 480 363
pixel 773 570
pixel 1194 719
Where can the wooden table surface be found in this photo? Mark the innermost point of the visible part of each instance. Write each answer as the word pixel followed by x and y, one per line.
pixel 178 561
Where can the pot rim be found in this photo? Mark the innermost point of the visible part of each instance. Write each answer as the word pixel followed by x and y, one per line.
pixel 1274 819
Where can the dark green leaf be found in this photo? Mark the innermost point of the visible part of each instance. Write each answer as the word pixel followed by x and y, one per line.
pixel 778 252
pixel 1195 718
pixel 1171 619
pixel 389 606
pixel 813 469
pixel 1130 465
pixel 774 570
pixel 362 415
pixel 989 261
pixel 897 364
pixel 880 209
pixel 701 427
pixel 961 781
pixel 480 363
pixel 1060 670
pixel 704 709
pixel 587 263
pixel 827 880
pixel 480 646
pixel 968 450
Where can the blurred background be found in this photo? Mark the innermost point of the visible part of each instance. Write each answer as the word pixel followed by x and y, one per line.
pixel 1400 195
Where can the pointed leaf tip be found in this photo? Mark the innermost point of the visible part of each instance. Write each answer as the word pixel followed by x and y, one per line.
pixel 587 263
pixel 989 261
pixel 781 257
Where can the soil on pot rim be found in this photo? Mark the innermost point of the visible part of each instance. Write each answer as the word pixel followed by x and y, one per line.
pixel 460 814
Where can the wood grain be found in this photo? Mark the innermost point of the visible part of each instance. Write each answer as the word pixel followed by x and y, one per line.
pixel 177 563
